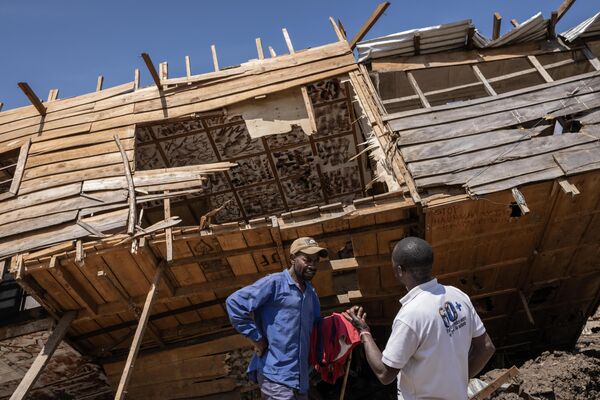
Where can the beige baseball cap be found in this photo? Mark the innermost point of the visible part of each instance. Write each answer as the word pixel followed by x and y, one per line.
pixel 307 245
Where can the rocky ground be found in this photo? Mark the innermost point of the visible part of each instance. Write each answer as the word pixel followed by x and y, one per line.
pixel 559 375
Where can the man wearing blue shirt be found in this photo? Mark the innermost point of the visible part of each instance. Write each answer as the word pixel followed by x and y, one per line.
pixel 277 314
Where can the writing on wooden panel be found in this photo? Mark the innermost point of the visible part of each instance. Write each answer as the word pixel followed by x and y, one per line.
pixel 251 170
pixel 303 189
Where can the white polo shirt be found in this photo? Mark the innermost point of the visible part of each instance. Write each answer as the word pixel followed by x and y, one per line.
pixel 430 342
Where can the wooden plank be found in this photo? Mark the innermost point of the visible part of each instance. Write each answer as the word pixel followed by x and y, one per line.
pixel 497 24
pixel 78 153
pixel 259 49
pixel 288 41
pixel 152 70
pixel 366 27
pixel 33 224
pixel 49 236
pixel 536 176
pixel 139 335
pixel 488 88
pixel 546 144
pixel 591 57
pixel 496 383
pixel 188 67
pixel 309 109
pixel 486 123
pixel 540 69
pixel 168 231
pixel 136 79
pixel 514 23
pixel 99 83
pixel 575 160
pixel 39 197
pixel 52 95
pixel 563 8
pixel 130 187
pixel 85 139
pixel 36 184
pixel 461 145
pixel 338 33
pixel 476 107
pixel 33 98
pixel 43 357
pixel 417 89
pixel 417 43
pixel 272 52
pixel 213 50
pixel 18 175
pixel 75 289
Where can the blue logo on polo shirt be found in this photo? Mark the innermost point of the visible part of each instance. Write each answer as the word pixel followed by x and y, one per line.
pixel 450 317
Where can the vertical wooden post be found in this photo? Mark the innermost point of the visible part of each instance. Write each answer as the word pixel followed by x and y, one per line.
pixel 288 41
pixel 136 79
pixel 99 83
pixel 188 67
pixel 213 50
pixel 168 231
pixel 43 357
pixel 259 49
pixel 497 26
pixel 271 52
pixel 138 337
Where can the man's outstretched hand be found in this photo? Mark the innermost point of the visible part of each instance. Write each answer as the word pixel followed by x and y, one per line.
pixel 358 317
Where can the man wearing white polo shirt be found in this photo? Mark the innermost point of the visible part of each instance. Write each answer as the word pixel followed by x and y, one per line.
pixel 437 342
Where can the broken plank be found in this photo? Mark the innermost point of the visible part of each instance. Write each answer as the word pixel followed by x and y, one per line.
pixel 33 224
pixel 39 197
pixel 36 368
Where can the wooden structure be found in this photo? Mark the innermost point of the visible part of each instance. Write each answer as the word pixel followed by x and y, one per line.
pixel 139 210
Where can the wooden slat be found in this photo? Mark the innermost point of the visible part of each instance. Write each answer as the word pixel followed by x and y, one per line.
pixel 309 109
pixel 99 83
pixel 366 27
pixel 152 70
pixel 138 337
pixel 417 89
pixel 33 98
pixel 32 224
pixel 18 175
pixel 188 67
pixel 488 88
pixel 75 289
pixel 546 144
pixel 42 196
pixel 591 57
pixel 43 357
pixel 213 50
pixel 337 30
pixel 497 24
pixel 575 161
pixel 462 145
pixel 259 49
pixel 130 187
pixel 288 41
pixel 540 69
pixel 563 8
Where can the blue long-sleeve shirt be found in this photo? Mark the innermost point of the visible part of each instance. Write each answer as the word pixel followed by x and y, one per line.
pixel 275 308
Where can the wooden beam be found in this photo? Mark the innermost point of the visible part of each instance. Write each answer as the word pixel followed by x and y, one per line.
pixel 75 289
pixel 337 30
pixel 497 25
pixel 163 70
pixel 470 34
pixel 213 50
pixel 417 89
pixel 32 98
pixel 496 383
pixel 271 52
pixel 188 67
pixel 138 337
pixel 259 49
pixel 130 186
pixel 342 29
pixel 526 308
pixel 99 83
pixel 540 69
pixel 514 23
pixel 520 200
pixel 366 27
pixel 563 8
pixel 136 79
pixel 309 109
pixel 591 57
pixel 567 187
pixel 168 231
pixel 20 168
pixel 79 253
pixel 417 43
pixel 43 357
pixel 156 262
pixel 488 88
pixel 52 94
pixel 152 70
pixel 552 25
pixel 288 41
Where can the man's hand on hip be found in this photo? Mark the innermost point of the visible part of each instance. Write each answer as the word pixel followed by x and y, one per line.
pixel 259 347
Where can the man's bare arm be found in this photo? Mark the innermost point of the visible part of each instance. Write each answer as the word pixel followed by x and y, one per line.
pixel 482 349
pixel 384 373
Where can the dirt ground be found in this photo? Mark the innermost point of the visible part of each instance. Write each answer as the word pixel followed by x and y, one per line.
pixel 558 375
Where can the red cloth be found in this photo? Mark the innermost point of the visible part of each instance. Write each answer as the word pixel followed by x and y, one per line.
pixel 339 338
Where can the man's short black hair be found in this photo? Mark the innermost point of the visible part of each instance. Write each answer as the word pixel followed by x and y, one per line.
pixel 415 256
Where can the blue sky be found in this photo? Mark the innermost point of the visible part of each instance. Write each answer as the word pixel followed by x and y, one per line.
pixel 66 44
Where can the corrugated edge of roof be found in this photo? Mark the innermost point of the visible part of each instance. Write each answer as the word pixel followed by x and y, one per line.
pixel 589 27
pixel 433 38
pixel 533 29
